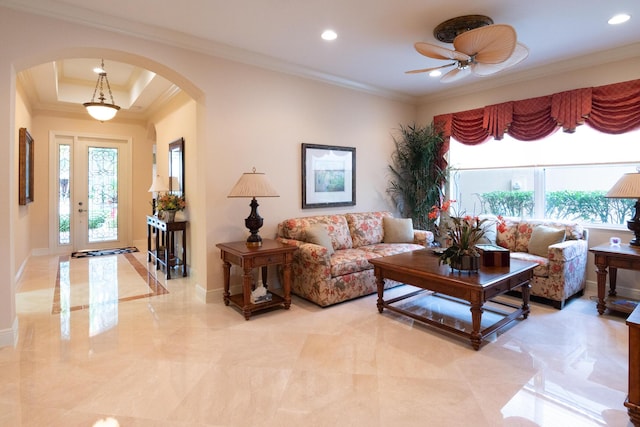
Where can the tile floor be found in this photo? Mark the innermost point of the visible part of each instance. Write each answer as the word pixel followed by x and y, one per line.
pixel 98 337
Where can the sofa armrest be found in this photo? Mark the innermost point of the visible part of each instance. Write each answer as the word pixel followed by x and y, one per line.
pixel 422 237
pixel 308 253
pixel 568 250
pixel 568 266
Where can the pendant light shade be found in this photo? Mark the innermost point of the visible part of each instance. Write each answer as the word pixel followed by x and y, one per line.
pixel 101 110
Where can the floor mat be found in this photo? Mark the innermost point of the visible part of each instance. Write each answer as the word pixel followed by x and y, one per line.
pixel 83 254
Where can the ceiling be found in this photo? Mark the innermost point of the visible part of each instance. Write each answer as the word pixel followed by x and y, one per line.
pixel 373 50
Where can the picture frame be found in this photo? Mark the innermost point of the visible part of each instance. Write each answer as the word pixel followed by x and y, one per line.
pixel 328 176
pixel 25 167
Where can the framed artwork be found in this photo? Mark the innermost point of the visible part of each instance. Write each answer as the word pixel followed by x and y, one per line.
pixel 328 176
pixel 25 167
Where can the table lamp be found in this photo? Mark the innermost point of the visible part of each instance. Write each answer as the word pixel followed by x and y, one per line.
pixel 253 184
pixel 157 186
pixel 628 187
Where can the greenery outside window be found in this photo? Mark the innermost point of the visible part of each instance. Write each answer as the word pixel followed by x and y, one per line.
pixel 564 176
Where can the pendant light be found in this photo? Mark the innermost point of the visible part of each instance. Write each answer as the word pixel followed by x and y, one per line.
pixel 101 110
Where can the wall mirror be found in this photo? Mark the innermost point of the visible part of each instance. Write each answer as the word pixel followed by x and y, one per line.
pixel 25 167
pixel 176 167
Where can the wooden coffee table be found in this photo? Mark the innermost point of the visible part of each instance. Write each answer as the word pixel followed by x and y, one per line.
pixel 421 269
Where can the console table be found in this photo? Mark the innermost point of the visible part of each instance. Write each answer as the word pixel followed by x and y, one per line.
pixel 633 398
pixel 613 257
pixel 164 253
pixel 270 253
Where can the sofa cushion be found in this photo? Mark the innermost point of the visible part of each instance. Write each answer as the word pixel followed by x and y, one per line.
pixel 318 234
pixel 541 270
pixel 366 227
pixel 490 228
pixel 337 227
pixel 507 232
pixel 542 237
pixel 386 249
pixel 397 230
pixel 347 261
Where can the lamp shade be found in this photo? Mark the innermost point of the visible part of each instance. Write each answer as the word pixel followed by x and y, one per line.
pixel 253 184
pixel 101 111
pixel 158 185
pixel 627 187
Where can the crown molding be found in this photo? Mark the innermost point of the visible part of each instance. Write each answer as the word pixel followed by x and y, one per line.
pixel 81 16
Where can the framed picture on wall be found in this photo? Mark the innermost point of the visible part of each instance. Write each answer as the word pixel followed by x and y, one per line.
pixel 328 176
pixel 25 167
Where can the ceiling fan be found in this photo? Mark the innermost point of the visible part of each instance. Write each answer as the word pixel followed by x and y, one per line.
pixel 480 47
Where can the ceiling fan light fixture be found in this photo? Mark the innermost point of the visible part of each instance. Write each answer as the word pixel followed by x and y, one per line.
pixel 619 19
pixel 101 110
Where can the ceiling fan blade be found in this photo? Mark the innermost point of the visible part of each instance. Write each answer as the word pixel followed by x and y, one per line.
pixel 427 70
pixel 491 44
pixel 439 52
pixel 519 54
pixel 455 75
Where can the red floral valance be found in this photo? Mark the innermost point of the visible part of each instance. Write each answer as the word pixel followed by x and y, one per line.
pixel 610 109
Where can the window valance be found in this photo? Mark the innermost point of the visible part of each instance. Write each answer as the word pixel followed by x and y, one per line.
pixel 613 109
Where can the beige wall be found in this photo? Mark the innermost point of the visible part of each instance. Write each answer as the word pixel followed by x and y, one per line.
pixel 23 223
pixel 587 77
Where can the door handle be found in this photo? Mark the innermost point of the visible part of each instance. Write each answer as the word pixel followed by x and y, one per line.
pixel 82 210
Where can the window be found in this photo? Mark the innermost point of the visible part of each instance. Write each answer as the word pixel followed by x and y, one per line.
pixel 564 176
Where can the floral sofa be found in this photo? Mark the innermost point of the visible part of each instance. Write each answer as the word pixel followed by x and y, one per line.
pixel 332 265
pixel 561 270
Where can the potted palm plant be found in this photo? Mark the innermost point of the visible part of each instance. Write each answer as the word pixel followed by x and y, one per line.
pixel 418 174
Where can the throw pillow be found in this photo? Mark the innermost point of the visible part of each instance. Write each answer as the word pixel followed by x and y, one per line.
pixel 542 237
pixel 318 234
pixel 397 230
pixel 490 228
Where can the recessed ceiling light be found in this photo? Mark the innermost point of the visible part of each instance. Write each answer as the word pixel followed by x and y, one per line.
pixel 329 35
pixel 435 73
pixel 619 19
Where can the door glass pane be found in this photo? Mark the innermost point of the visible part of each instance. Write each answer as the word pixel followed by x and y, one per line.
pixel 103 194
pixel 64 201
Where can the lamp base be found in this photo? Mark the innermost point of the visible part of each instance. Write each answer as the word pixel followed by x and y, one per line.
pixel 634 225
pixel 253 222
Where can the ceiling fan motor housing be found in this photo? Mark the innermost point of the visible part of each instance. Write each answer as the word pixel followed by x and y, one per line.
pixel 447 31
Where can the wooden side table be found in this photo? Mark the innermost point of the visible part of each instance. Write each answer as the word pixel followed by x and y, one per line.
pixel 613 257
pixel 270 253
pixel 164 252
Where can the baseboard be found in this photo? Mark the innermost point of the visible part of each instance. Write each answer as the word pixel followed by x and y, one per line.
pixel 9 337
pixel 141 245
pixel 208 296
pixel 591 288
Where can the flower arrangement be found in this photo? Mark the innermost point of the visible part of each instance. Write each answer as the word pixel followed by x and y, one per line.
pixel 170 202
pixel 463 232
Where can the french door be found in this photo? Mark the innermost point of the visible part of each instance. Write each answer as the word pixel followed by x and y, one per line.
pixel 90 190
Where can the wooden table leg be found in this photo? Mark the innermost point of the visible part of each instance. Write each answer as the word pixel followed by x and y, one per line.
pixel 526 292
pixel 286 285
pixel 247 280
pixel 380 284
pixel 601 273
pixel 613 278
pixel 226 269
pixel 476 322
